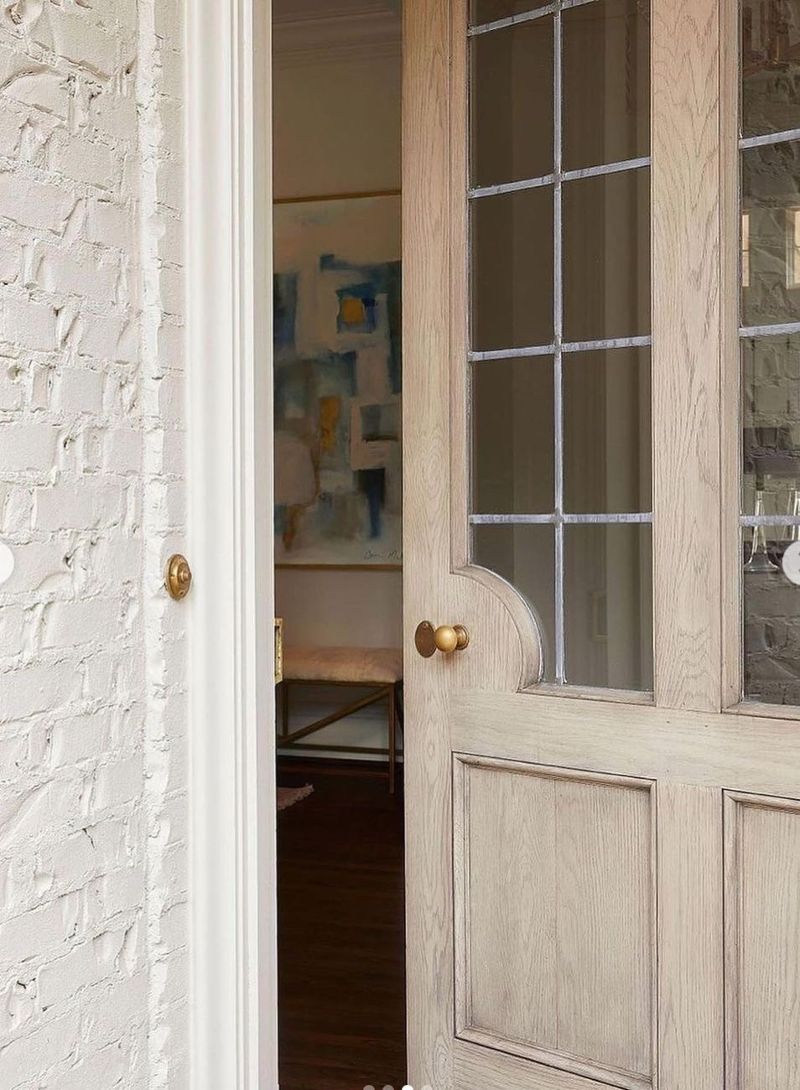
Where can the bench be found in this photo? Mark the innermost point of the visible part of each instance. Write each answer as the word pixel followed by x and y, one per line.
pixel 377 669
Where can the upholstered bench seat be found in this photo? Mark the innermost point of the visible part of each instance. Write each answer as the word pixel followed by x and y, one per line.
pixel 379 670
pixel 372 665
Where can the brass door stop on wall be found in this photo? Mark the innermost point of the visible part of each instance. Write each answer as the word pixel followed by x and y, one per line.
pixel 178 577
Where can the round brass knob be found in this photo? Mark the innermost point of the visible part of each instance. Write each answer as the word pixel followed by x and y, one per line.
pixel 446 638
pixel 450 638
pixel 178 577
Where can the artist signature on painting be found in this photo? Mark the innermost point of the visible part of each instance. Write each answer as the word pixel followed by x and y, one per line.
pixel 393 556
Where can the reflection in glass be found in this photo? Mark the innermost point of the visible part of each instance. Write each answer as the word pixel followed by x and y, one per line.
pixel 607 459
pixel 486 11
pixel 771 633
pixel 771 206
pixel 512 117
pixel 770 490
pixel 524 555
pixel 608 606
pixel 607 256
pixel 512 270
pixel 770 421
pixel 512 436
pixel 770 66
pixel 606 83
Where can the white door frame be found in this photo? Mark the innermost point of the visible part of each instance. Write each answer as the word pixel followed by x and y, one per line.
pixel 231 718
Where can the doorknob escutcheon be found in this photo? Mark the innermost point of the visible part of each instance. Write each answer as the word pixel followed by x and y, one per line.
pixel 446 638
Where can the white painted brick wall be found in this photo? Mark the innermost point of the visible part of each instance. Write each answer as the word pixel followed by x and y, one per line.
pixel 93 755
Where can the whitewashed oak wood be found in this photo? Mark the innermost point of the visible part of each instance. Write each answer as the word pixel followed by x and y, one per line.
pixel 462 981
pixel 556 910
pixel 477 1068
pixel 690 936
pixel 430 590
pixel 763 942
pixel 686 352
pixel 737 752
pixel 730 367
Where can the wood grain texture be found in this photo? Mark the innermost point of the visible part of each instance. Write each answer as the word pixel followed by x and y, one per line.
pixel 690 977
pixel 686 352
pixel 503 652
pixel 730 366
pixel 556 917
pixel 734 751
pixel 426 267
pixel 478 1068
pixel 762 942
pixel 508 976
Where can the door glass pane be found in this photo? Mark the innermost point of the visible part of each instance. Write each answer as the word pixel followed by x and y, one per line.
pixel 608 606
pixel 770 350
pixel 560 334
pixel 771 493
pixel 607 461
pixel 524 556
pixel 607 256
pixel 512 120
pixel 771 210
pixel 512 436
pixel 606 83
pixel 770 66
pixel 512 270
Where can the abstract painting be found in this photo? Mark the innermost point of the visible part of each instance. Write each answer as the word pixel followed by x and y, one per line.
pixel 337 382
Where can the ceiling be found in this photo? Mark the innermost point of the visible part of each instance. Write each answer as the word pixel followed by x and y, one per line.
pixel 293 10
pixel 305 30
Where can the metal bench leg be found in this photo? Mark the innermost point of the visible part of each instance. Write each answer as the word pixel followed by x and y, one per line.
pixel 285 710
pixel 392 740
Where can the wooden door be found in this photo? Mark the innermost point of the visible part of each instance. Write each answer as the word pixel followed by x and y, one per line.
pixel 603 832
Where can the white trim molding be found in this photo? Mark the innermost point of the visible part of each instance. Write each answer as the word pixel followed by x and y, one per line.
pixel 234 980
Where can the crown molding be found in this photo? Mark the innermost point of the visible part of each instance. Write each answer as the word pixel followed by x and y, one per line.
pixel 353 32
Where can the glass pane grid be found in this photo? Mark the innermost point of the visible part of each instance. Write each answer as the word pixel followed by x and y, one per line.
pixel 527 16
pixel 559 518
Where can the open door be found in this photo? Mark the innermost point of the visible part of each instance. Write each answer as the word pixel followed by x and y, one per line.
pixel 603 837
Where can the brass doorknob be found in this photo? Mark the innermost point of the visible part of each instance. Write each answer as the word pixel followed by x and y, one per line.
pixel 446 638
pixel 178 577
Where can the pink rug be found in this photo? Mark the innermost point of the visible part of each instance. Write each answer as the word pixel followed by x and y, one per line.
pixel 288 796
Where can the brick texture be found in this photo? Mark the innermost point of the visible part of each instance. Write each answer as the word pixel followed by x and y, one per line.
pixel 93 862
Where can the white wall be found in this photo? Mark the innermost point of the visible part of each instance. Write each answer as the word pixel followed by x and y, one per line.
pixel 337 130
pixel 93 768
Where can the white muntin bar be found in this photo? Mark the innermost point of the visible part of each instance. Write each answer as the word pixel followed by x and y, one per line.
pixel 555 519
pixel 526 16
pixel 566 346
pixel 769 520
pixel 783 329
pixel 599 171
pixel 558 331
pixel 769 138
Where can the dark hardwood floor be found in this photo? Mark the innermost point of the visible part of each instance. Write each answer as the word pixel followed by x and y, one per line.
pixel 340 930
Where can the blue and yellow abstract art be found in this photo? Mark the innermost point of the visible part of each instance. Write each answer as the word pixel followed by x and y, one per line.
pixel 338 382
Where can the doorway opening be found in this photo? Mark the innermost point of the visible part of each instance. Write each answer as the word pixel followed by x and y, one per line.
pixel 338 582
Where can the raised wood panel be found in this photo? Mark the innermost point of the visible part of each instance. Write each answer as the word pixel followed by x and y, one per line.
pixel 555 899
pixel 763 942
